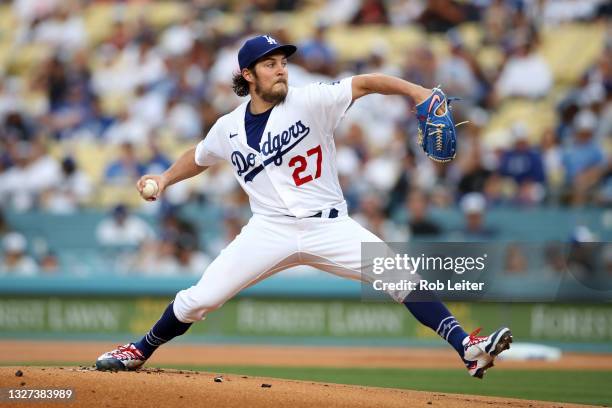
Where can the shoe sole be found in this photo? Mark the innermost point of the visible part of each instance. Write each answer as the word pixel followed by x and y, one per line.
pixel 111 364
pixel 502 344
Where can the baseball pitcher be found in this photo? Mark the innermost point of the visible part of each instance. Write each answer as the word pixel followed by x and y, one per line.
pixel 281 146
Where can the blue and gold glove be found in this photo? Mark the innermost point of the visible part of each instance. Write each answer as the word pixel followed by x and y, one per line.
pixel 436 133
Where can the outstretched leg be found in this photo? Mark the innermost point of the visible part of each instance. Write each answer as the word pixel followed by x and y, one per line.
pixel 476 351
pixel 335 246
pixel 133 355
pixel 431 312
pixel 166 328
pixel 262 248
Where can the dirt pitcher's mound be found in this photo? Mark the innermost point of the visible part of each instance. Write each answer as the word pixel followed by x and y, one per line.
pixel 173 388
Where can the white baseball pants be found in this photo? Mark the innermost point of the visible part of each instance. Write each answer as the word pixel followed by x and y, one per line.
pixel 267 245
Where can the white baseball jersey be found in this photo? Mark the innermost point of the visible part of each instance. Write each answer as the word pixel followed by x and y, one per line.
pixel 295 171
pixel 292 178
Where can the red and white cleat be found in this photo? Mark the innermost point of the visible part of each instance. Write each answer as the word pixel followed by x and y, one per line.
pixel 123 358
pixel 481 351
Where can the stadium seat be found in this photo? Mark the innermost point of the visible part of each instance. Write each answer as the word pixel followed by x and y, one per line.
pixel 108 196
pixel 490 58
pixel 92 158
pixel 571 48
pixel 160 14
pixel 8 22
pixel 519 110
pixel 29 57
pixel 471 35
pixel 354 43
pixel 98 21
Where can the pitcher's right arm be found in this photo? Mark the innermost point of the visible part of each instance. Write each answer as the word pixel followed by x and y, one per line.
pixel 185 167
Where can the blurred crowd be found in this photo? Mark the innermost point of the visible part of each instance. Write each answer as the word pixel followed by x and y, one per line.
pixel 141 82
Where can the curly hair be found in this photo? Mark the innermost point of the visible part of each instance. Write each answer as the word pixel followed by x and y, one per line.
pixel 240 85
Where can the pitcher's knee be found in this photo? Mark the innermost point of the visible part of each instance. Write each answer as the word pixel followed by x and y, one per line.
pixel 190 307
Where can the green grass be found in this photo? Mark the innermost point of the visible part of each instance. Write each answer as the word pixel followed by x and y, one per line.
pixel 587 387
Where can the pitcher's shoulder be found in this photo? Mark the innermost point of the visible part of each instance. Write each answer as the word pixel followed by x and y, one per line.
pixel 298 94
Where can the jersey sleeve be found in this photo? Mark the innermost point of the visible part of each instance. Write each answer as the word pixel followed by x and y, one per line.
pixel 330 101
pixel 210 150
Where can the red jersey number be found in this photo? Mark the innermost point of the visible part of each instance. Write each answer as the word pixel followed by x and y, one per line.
pixel 300 164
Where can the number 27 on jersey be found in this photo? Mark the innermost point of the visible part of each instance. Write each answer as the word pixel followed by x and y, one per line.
pixel 300 163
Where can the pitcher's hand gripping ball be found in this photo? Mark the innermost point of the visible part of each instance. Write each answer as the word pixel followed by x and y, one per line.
pixel 150 189
pixel 436 133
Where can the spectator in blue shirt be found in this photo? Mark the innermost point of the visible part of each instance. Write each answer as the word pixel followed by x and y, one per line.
pixel 525 166
pixel 316 52
pixel 126 169
pixel 584 159
pixel 522 163
pixel 158 161
pixel 474 206
pixel 97 121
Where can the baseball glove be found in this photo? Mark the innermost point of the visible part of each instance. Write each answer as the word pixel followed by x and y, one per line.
pixel 436 133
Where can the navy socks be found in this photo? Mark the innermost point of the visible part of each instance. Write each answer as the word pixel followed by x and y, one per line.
pixel 166 328
pixel 431 312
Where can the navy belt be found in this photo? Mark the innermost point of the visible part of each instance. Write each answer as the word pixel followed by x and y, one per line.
pixel 333 213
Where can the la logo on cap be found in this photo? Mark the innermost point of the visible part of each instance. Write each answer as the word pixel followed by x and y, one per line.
pixel 270 39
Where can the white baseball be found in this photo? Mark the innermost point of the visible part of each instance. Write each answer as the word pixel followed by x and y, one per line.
pixel 150 188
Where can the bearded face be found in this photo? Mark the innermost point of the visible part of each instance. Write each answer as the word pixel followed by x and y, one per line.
pixel 274 94
pixel 269 77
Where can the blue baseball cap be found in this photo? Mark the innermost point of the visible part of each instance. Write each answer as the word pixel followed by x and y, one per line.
pixel 260 46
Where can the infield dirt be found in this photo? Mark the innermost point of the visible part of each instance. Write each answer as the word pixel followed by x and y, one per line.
pixel 179 388
pixel 174 388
